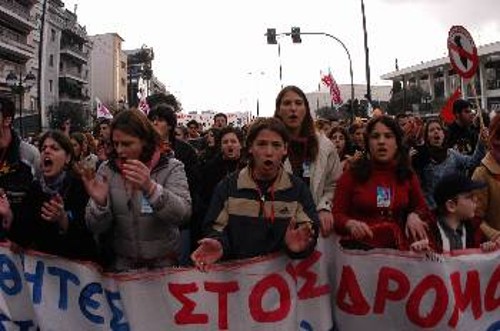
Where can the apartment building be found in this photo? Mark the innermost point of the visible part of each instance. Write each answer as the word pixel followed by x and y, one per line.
pixel 109 70
pixel 140 73
pixel 66 60
pixel 17 52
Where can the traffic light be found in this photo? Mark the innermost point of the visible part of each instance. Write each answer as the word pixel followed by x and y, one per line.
pixel 271 36
pixel 296 35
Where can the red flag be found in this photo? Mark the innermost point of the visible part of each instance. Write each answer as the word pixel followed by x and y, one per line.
pixel 447 111
pixel 334 88
pixel 102 111
pixel 143 105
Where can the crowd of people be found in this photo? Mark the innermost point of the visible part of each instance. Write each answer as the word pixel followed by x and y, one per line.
pixel 142 192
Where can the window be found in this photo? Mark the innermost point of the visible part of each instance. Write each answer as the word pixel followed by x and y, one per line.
pixel 51 60
pixel 51 83
pixel 52 35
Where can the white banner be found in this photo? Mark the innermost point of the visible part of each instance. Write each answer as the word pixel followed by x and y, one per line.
pixel 388 290
pixel 261 294
pixel 377 290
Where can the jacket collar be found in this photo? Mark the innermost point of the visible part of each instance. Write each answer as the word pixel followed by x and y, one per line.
pixel 245 180
pixel 491 164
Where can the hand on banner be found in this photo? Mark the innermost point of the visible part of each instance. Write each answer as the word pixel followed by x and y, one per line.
pixel 326 221
pixel 209 252
pixel 298 236
pixel 420 246
pixel 53 211
pixel 416 229
pixel 359 230
pixel 96 189
pixel 5 211
pixel 489 246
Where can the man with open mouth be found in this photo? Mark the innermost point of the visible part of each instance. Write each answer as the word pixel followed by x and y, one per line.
pixel 260 209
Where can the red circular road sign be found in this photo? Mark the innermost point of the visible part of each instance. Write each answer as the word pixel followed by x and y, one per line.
pixel 462 51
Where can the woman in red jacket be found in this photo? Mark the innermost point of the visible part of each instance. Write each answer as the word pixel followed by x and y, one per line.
pixel 379 198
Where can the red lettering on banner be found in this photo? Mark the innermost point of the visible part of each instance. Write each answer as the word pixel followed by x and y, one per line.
pixel 384 293
pixel 490 301
pixel 470 295
pixel 260 289
pixel 185 314
pixel 223 289
pixel 302 269
pixel 431 282
pixel 349 289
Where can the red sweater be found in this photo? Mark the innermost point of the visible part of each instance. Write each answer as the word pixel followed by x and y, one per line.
pixel 382 201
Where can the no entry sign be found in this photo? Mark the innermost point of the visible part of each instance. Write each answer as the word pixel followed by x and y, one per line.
pixel 463 52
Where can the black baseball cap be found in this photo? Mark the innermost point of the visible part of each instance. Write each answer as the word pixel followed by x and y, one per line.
pixel 452 185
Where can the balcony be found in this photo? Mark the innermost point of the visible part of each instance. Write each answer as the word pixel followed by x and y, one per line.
pixel 15 46
pixel 74 75
pixel 17 15
pixel 75 53
pixel 75 29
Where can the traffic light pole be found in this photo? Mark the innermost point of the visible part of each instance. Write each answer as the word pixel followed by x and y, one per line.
pixel 334 38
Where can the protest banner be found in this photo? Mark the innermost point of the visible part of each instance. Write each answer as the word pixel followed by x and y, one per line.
pixel 390 290
pixel 380 290
pixel 264 293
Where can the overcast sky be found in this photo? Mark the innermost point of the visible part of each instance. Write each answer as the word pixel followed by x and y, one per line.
pixel 213 54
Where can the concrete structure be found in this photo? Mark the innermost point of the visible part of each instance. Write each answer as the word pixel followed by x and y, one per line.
pixel 321 98
pixel 206 118
pixel 109 70
pixel 157 86
pixel 438 78
pixel 17 49
pixel 140 73
pixel 66 60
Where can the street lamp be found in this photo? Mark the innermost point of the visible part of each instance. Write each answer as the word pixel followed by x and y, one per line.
pixel 295 34
pixel 257 90
pixel 20 86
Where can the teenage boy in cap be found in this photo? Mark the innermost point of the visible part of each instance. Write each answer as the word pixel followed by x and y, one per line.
pixel 456 228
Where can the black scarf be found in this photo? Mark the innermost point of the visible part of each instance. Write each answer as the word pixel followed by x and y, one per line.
pixel 438 154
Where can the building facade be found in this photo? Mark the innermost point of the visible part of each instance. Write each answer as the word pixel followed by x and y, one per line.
pixel 140 73
pixel 320 99
pixel 109 70
pixel 17 53
pixel 66 61
pixel 438 78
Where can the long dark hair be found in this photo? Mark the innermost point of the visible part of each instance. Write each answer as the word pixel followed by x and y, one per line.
pixel 136 124
pixel 362 168
pixel 307 129
pixel 60 137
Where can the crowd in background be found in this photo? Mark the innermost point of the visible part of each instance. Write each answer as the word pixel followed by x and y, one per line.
pixel 140 191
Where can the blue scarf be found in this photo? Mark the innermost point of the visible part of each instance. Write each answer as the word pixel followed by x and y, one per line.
pixel 55 186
